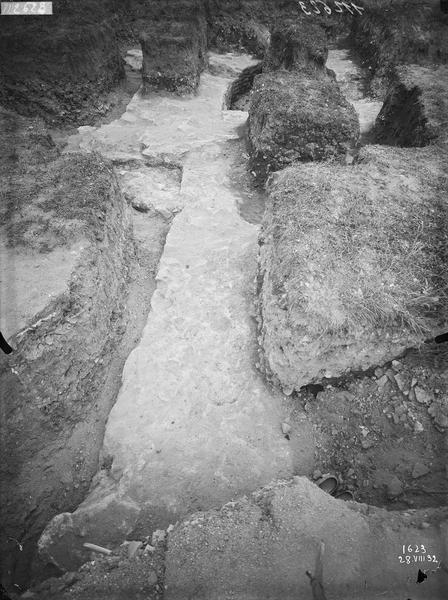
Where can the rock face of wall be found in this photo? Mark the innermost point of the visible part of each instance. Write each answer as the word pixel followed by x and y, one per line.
pixel 416 107
pixel 297 46
pixel 67 232
pixel 174 55
pixel 352 267
pixel 294 118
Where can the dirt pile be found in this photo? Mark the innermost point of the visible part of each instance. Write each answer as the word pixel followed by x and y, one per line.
pixel 262 545
pixel 352 264
pixel 294 118
pixel 63 290
pixel 59 67
pixel 389 33
pixel 415 109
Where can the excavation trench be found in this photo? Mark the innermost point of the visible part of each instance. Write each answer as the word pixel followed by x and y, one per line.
pixel 194 424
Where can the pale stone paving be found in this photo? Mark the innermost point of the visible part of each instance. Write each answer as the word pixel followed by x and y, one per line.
pixel 194 424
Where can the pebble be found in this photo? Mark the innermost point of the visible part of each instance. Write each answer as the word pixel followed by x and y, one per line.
pixel 424 525
pixel 286 428
pixel 133 548
pixel 382 381
pixel 317 474
pixel 422 396
pixel 379 372
pixel 396 365
pixel 151 577
pixel 394 487
pixel 411 395
pixel 158 536
pixel 367 444
pixel 419 470
pixel 418 427
pixel 390 375
pixel 401 382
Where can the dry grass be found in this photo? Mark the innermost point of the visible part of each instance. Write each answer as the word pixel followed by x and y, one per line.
pixel 362 247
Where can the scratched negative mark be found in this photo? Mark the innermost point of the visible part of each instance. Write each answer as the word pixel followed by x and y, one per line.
pixel 4 345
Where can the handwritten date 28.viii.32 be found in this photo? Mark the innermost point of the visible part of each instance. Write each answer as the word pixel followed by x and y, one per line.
pixel 311 7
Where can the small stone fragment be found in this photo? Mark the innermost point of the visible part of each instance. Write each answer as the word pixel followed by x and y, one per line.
pixel 286 428
pixel 382 381
pixel 317 474
pixel 133 548
pixel 419 470
pixel 396 365
pixel 158 537
pixel 367 444
pixel 394 487
pixel 422 396
pixel 418 427
pixel 390 375
pixel 379 372
pixel 401 382
pixel 152 577
pixel 424 525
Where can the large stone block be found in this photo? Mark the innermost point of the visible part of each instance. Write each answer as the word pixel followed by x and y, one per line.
pixel 416 107
pixel 104 521
pixel 296 118
pixel 352 264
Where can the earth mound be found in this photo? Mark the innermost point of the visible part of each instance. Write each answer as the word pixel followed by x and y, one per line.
pixel 416 107
pixel 352 266
pixel 297 118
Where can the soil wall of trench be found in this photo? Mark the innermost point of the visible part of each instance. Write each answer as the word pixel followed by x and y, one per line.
pixel 52 416
pixel 52 406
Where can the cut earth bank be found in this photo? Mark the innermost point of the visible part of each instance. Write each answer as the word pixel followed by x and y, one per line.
pixel 212 154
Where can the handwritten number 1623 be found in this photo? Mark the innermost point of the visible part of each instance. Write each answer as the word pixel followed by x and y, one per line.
pixel 327 9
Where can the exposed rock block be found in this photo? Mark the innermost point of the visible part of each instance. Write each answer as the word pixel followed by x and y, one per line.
pixel 297 118
pixel 352 264
pixel 416 107
pixel 174 54
pixel 297 46
pixel 107 520
pixel 66 230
